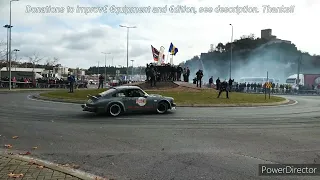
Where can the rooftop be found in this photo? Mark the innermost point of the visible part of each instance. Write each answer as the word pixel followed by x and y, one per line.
pixel 24 69
pixel 126 87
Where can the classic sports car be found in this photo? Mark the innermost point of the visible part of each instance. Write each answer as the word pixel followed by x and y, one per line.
pixel 125 99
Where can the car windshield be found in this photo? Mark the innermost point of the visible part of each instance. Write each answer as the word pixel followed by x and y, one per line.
pixel 145 93
pixel 107 92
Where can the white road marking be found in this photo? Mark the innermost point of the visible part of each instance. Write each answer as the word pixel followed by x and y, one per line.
pixel 251 157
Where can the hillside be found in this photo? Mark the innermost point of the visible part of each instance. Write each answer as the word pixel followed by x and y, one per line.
pixel 254 57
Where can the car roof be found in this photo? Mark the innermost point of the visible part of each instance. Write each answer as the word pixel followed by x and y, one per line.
pixel 126 87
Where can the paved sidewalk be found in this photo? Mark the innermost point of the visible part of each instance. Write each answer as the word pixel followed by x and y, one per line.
pixel 11 168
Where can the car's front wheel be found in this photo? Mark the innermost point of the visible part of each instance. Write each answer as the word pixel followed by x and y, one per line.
pixel 162 107
pixel 114 110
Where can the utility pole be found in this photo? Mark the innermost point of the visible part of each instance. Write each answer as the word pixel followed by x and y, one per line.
pixel 231 50
pixel 132 70
pixel 128 27
pixel 105 64
pixel 298 75
pixel 10 27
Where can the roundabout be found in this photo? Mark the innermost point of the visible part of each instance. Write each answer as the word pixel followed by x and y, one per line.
pixel 191 143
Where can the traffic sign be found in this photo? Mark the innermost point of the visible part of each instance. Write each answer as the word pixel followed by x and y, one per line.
pixel 268 85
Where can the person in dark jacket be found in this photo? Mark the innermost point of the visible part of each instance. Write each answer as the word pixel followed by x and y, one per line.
pixel 199 75
pixel 153 75
pixel 230 84
pixel 224 87
pixel 71 80
pixel 188 74
pixel 218 84
pixel 210 82
pixel 101 80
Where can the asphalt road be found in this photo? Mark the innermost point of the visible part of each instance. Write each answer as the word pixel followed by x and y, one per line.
pixel 191 143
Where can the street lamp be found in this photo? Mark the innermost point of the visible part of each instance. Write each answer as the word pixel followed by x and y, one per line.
pixel 231 49
pixel 128 27
pixel 132 70
pixel 10 45
pixel 98 67
pixel 105 63
pixel 7 57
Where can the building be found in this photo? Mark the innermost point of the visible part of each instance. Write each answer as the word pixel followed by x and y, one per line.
pixel 51 74
pixel 61 70
pixel 22 72
pixel 267 34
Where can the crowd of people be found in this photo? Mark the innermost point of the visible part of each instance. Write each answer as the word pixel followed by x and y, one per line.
pixel 25 82
pixel 166 72
pixel 261 87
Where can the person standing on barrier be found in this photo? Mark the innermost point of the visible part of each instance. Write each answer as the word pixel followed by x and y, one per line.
pixel 224 88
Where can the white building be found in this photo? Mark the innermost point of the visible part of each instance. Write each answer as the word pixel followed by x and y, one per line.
pixel 60 70
pixel 22 72
pixel 37 70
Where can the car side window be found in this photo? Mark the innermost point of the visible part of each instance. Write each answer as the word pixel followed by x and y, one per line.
pixel 120 94
pixel 135 93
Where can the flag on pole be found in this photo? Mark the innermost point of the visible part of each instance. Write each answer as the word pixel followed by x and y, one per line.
pixel 155 53
pixel 173 50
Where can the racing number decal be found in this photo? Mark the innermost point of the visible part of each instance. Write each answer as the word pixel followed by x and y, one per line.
pixel 141 101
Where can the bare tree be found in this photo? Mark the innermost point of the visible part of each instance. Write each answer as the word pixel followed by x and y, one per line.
pixel 35 59
pixel 52 62
pixel 3 50
pixel 3 53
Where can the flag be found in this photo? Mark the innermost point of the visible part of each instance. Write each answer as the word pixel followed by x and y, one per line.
pixel 155 53
pixel 173 50
pixel 163 59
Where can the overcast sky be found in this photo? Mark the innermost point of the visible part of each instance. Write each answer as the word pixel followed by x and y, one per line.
pixel 78 39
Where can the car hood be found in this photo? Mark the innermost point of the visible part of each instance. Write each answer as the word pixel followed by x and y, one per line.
pixel 158 95
pixel 155 95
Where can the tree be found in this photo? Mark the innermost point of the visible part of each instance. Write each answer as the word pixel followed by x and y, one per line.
pixel 3 50
pixel 50 63
pixel 3 54
pixel 35 59
pixel 220 47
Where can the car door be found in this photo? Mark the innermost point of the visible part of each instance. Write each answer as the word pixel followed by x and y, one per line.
pixel 137 101
pixel 127 100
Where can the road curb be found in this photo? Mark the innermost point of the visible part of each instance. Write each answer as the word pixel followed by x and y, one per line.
pixel 286 101
pixel 56 167
pixel 2 91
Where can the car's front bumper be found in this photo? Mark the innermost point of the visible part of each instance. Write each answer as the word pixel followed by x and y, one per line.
pixel 173 106
pixel 87 108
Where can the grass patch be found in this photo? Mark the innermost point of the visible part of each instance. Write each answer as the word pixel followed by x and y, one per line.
pixel 181 97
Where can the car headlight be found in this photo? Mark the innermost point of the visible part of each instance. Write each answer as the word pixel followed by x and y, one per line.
pixel 89 101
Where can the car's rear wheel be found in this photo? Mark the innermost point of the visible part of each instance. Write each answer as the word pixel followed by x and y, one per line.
pixel 114 110
pixel 162 107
